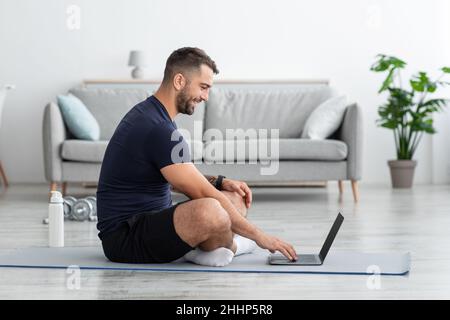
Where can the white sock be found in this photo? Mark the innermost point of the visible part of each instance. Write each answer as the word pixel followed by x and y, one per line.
pixel 216 258
pixel 243 245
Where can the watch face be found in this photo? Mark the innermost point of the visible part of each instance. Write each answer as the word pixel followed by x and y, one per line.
pixel 219 182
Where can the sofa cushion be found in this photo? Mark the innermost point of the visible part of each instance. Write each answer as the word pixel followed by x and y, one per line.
pixel 289 149
pixel 109 106
pixel 325 119
pixel 79 120
pixel 84 151
pixel 93 151
pixel 283 109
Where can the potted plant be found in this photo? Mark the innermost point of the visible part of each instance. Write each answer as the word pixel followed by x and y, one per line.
pixel 408 113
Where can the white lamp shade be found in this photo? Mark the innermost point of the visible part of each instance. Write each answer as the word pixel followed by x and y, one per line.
pixel 137 59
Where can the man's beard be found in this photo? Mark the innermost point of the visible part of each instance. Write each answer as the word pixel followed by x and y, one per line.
pixel 184 104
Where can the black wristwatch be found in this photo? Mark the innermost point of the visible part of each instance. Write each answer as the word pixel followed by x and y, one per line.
pixel 219 180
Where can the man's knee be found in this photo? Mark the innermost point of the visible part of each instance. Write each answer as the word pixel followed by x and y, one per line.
pixel 211 216
pixel 238 201
pixel 198 220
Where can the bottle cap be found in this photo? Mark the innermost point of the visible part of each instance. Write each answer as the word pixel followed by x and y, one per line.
pixel 56 197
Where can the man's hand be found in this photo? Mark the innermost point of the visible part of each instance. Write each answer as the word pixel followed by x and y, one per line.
pixel 274 244
pixel 239 187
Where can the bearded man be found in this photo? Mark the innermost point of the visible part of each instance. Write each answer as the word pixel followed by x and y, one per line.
pixel 137 220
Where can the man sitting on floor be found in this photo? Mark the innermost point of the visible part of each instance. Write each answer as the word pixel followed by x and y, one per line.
pixel 137 221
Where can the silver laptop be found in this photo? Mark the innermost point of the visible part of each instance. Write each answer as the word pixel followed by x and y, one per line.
pixel 311 259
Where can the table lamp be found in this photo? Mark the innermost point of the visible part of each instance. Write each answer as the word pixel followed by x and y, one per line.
pixel 137 60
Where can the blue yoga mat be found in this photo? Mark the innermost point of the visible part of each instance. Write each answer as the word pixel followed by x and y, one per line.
pixel 337 262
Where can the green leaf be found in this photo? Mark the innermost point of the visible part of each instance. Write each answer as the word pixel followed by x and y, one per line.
pixel 389 125
pixel 446 69
pixel 431 87
pixel 381 64
pixel 422 83
pixel 430 130
pixel 388 81
pixel 385 62
pixel 397 62
pixel 425 125
pixel 394 113
pixel 400 98
pixel 417 85
pixel 438 103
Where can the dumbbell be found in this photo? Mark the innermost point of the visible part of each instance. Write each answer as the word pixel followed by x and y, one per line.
pixel 84 209
pixel 93 212
pixel 79 210
pixel 69 201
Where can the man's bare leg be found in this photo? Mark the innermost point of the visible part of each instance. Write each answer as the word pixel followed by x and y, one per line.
pixel 239 204
pixel 203 223
pixel 241 245
pixel 206 226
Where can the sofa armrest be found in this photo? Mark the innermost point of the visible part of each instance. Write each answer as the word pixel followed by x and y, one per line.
pixel 352 134
pixel 53 134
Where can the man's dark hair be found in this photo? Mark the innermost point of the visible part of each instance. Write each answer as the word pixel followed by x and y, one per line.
pixel 187 59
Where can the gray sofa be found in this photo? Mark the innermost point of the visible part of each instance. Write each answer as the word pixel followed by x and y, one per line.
pixel 246 112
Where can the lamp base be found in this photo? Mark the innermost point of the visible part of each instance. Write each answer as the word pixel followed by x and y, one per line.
pixel 137 73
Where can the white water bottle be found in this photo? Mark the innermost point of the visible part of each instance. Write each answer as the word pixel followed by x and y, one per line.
pixel 56 220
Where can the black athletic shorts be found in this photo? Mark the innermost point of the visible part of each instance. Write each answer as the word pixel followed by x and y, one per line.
pixel 147 237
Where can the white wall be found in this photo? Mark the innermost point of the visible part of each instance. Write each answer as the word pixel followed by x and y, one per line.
pixel 253 39
pixel 441 141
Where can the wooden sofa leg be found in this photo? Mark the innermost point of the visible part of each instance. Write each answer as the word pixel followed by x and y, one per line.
pixel 2 173
pixel 355 190
pixel 341 187
pixel 64 188
pixel 53 187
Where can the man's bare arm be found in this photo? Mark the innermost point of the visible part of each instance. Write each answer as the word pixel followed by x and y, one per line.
pixel 211 179
pixel 186 178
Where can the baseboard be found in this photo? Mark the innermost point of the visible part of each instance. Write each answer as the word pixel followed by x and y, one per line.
pixel 89 184
pixel 304 184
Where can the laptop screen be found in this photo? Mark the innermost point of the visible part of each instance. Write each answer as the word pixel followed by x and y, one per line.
pixel 331 235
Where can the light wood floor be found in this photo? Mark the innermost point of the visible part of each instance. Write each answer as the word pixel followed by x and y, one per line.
pixel 416 220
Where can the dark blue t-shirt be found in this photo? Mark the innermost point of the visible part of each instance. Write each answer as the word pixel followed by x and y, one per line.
pixel 145 141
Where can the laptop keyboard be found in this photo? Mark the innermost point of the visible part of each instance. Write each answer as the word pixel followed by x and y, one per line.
pixel 307 259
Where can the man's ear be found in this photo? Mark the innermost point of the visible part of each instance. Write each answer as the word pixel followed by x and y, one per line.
pixel 179 81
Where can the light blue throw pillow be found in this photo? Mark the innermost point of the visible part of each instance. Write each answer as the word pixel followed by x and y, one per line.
pixel 79 120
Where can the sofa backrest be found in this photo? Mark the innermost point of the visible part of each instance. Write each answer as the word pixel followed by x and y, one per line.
pixel 243 105
pixel 283 108
pixel 109 106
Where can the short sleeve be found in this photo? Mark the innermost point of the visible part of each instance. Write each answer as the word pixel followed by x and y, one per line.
pixel 166 146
